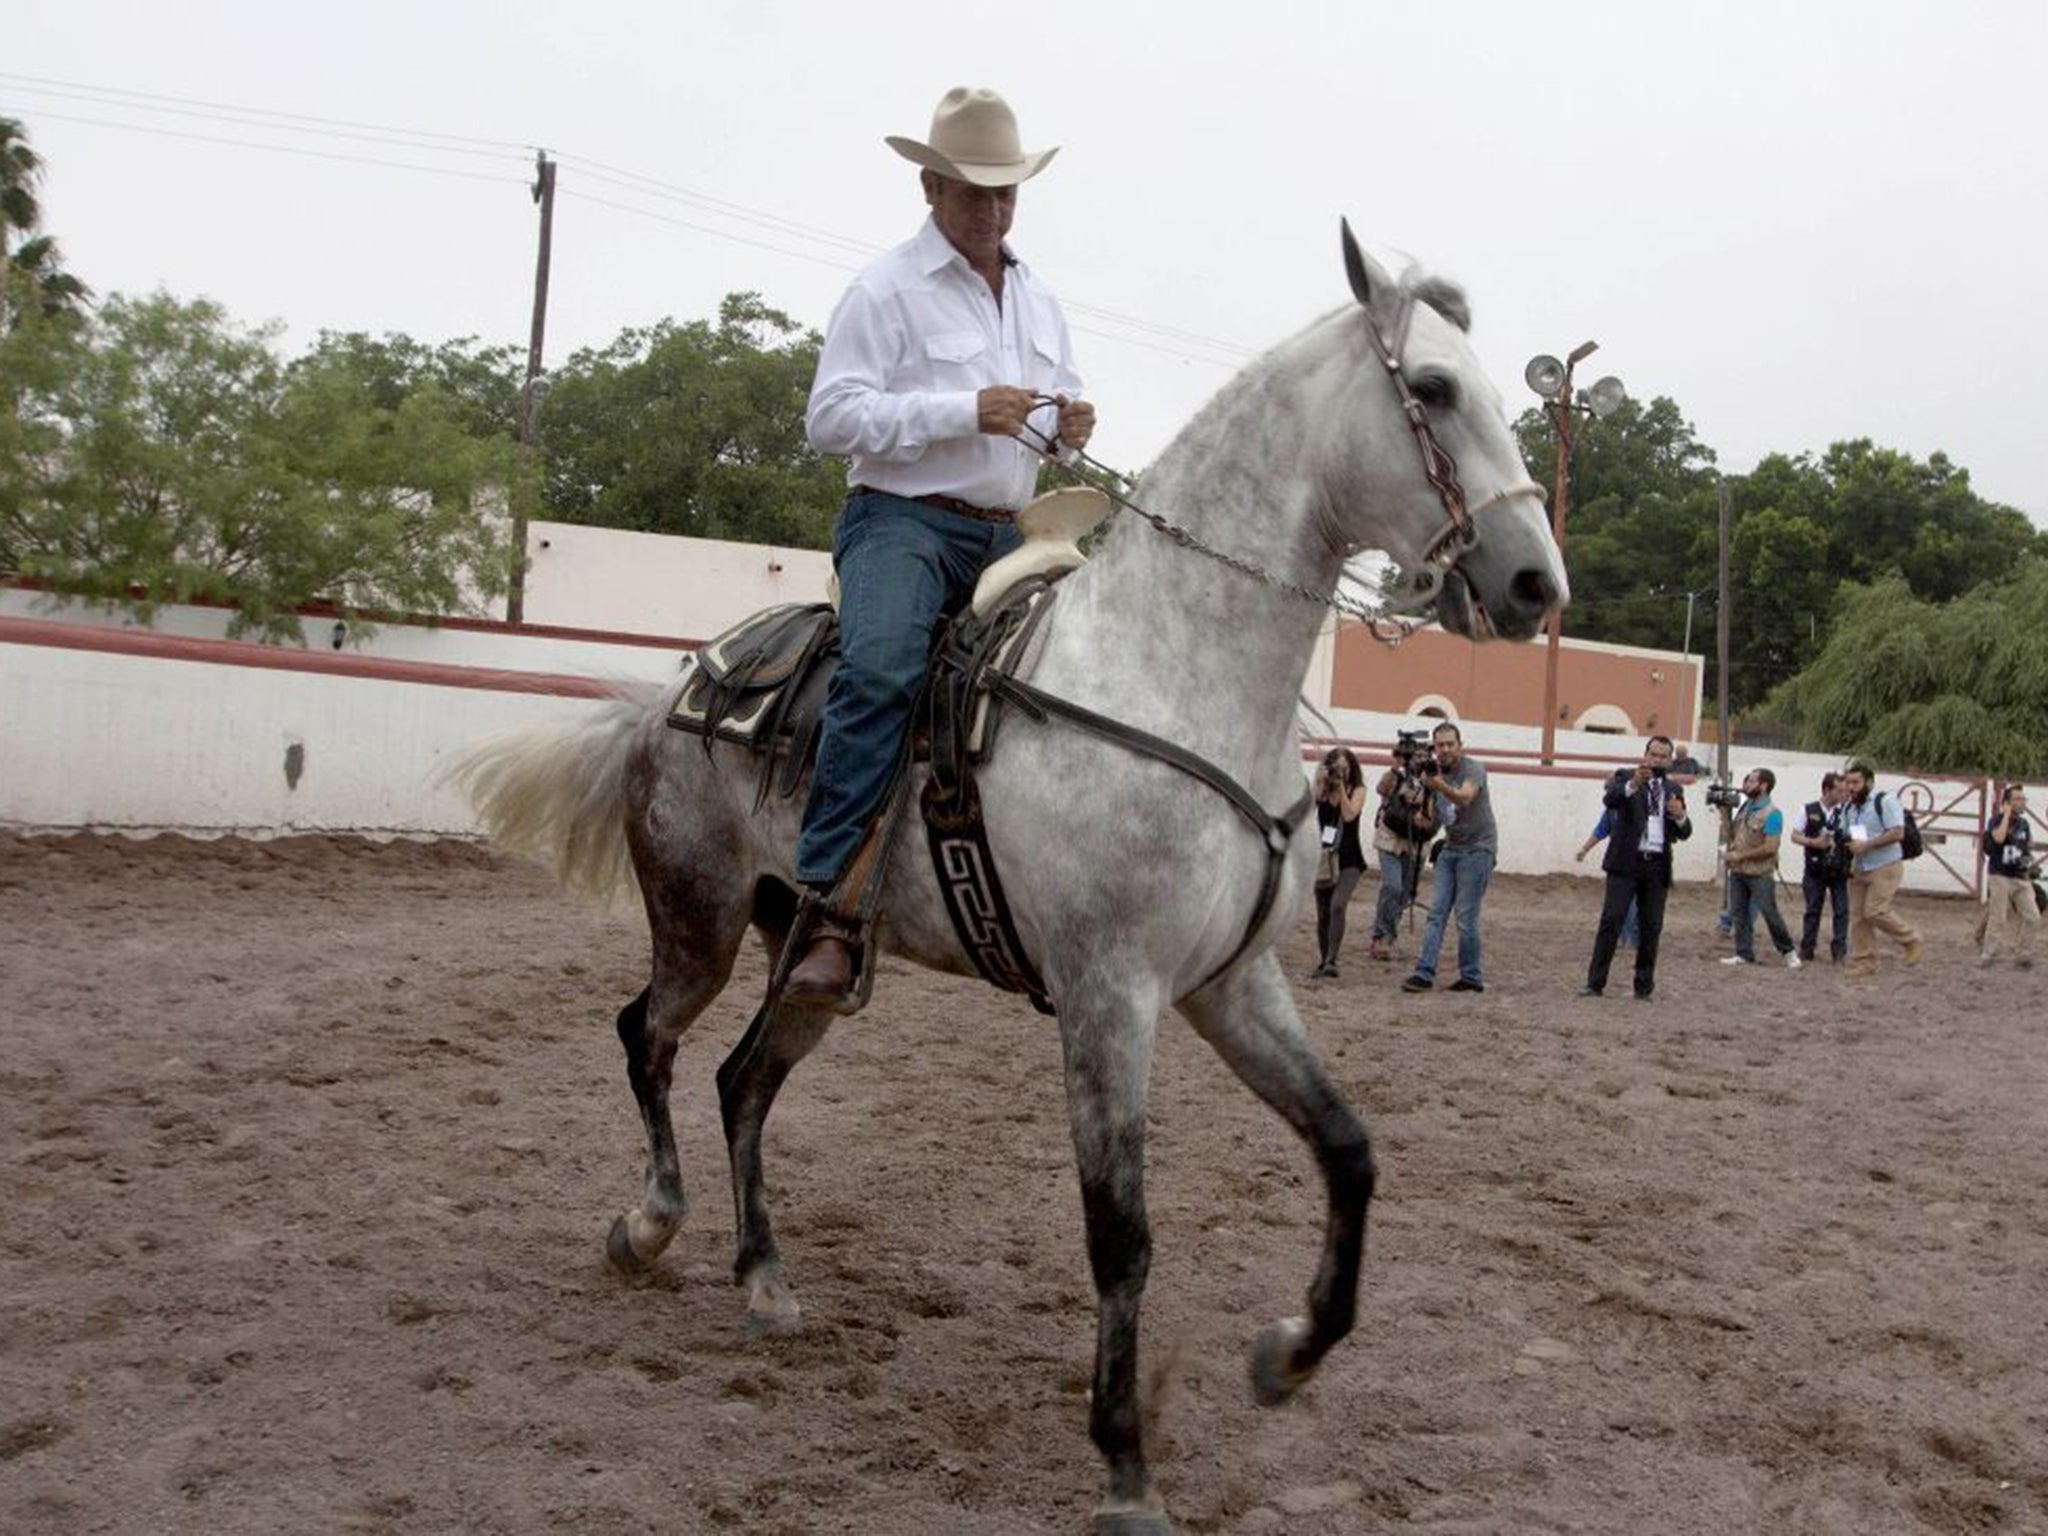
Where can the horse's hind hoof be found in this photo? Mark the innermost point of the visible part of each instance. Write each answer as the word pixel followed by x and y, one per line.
pixel 772 1308
pixel 1275 1377
pixel 618 1247
pixel 1132 1522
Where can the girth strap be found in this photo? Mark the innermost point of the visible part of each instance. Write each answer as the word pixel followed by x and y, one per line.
pixel 1278 831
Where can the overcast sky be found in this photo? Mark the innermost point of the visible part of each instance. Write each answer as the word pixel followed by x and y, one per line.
pixel 1803 223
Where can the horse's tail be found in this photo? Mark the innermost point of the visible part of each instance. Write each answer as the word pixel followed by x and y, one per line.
pixel 558 793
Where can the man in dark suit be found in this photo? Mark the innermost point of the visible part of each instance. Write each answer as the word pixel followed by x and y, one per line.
pixel 1648 821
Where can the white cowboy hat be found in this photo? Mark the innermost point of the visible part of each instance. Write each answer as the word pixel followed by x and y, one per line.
pixel 974 138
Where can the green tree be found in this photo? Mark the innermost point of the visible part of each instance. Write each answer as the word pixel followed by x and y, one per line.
pixel 693 428
pixel 160 453
pixel 1640 530
pixel 481 383
pixel 1957 687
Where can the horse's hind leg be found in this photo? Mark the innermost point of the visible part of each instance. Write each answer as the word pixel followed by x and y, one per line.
pixel 638 1237
pixel 748 1081
pixel 1249 1018
pixel 650 1028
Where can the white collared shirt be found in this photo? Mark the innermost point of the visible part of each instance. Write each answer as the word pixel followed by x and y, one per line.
pixel 914 341
pixel 1653 823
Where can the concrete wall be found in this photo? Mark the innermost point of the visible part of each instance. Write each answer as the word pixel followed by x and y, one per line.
pixel 650 583
pixel 198 739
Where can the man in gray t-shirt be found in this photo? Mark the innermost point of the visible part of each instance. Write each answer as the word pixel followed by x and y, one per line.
pixel 1464 864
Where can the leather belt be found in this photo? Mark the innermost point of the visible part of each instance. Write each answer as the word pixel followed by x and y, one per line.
pixel 951 504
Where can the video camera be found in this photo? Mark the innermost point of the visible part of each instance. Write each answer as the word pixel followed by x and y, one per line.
pixel 1723 797
pixel 1414 752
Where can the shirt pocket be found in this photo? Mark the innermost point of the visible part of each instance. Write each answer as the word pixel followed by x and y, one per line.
pixel 956 359
pixel 1045 342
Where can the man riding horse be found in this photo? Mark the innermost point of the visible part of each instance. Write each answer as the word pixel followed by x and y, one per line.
pixel 932 364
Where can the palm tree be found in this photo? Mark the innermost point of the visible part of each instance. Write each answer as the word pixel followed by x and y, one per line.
pixel 41 284
pixel 34 262
pixel 21 168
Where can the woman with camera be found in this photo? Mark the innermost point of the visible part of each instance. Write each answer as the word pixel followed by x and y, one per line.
pixel 1340 802
pixel 1402 829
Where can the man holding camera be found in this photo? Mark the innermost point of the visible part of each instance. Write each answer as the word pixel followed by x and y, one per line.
pixel 1753 870
pixel 2008 853
pixel 1464 864
pixel 1875 826
pixel 1826 878
pixel 1649 820
pixel 1402 829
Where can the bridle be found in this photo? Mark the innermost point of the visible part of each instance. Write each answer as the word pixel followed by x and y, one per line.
pixel 1421 584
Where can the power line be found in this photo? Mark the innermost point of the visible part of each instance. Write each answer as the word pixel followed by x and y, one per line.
pixel 422 140
pixel 285 149
pixel 40 84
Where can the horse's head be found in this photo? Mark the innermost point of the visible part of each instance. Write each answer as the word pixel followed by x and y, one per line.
pixel 1437 479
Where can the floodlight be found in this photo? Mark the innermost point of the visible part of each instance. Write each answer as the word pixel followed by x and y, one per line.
pixel 1545 375
pixel 1606 396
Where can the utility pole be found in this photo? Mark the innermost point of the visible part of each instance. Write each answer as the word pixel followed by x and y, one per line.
pixel 1721 639
pixel 1553 380
pixel 1721 684
pixel 535 388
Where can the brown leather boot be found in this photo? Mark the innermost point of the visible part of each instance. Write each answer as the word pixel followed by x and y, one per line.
pixel 824 973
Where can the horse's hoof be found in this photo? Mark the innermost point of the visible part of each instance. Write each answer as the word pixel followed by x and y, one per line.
pixel 1275 1377
pixel 1132 1522
pixel 618 1247
pixel 772 1307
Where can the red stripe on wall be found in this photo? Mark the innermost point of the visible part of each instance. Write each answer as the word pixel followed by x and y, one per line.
pixel 243 653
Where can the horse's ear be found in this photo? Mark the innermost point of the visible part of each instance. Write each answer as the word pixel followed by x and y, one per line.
pixel 1355 266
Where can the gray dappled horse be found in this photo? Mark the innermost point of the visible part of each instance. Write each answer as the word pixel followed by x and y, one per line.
pixel 1130 886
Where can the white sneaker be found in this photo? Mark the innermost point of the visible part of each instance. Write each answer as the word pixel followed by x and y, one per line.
pixel 1792 960
pixel 1735 960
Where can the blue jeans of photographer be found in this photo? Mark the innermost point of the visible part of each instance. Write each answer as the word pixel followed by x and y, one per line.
pixel 1461 876
pixel 1748 896
pixel 903 567
pixel 1386 917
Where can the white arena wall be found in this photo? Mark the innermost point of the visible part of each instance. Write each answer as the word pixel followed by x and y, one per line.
pixel 186 739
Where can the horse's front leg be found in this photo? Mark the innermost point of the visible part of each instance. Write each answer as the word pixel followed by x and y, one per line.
pixel 1250 1020
pixel 748 1081
pixel 1108 1045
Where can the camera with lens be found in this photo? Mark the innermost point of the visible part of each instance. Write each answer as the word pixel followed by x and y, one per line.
pixel 1414 752
pixel 1723 797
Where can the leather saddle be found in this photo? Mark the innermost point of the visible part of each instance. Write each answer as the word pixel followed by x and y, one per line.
pixel 763 683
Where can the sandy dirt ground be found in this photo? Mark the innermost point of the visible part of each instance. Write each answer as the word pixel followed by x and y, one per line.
pixel 309 1148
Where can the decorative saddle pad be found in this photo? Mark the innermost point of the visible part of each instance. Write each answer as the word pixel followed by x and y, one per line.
pixel 762 684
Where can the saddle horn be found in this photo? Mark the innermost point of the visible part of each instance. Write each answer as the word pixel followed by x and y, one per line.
pixel 1354 266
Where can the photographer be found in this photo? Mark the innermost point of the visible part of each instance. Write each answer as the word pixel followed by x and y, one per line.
pixel 1826 878
pixel 2008 854
pixel 1875 826
pixel 1464 865
pixel 1753 870
pixel 1340 801
pixel 1649 817
pixel 1401 830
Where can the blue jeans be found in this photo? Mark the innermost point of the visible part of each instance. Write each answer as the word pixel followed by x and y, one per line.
pixel 1386 916
pixel 1461 876
pixel 903 567
pixel 1751 895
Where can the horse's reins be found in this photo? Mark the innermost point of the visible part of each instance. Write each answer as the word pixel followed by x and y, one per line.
pixel 1424 583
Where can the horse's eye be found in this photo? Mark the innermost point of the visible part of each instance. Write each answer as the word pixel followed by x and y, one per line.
pixel 1436 391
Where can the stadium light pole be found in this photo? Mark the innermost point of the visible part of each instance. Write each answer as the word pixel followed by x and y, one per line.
pixel 1553 381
